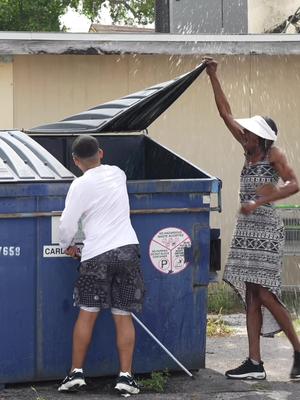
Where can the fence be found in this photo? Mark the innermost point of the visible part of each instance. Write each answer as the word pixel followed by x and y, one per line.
pixel 291 218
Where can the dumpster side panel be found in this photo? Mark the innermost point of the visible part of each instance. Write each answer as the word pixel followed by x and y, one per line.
pixel 27 290
pixel 174 311
pixel 17 299
pixel 176 303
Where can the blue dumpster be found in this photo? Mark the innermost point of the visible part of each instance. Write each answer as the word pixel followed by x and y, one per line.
pixel 32 184
pixel 170 207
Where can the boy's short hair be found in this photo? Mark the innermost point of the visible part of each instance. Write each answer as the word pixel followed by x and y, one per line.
pixel 85 146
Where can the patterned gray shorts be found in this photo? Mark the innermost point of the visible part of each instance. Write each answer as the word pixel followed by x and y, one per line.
pixel 111 280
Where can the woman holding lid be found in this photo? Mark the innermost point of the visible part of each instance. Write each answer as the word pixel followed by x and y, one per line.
pixel 253 267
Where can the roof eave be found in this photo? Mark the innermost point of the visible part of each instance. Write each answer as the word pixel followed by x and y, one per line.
pixel 22 43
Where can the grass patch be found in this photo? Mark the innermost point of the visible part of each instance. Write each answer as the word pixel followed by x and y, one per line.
pixel 222 297
pixel 156 383
pixel 216 326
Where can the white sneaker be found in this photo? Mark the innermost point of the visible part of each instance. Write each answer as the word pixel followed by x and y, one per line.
pixel 72 382
pixel 126 385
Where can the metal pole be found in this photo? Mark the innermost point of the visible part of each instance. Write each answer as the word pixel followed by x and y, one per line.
pixel 162 346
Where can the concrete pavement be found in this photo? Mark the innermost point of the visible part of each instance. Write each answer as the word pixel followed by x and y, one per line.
pixel 210 383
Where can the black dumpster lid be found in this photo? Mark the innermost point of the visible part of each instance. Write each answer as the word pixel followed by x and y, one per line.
pixel 131 113
pixel 23 159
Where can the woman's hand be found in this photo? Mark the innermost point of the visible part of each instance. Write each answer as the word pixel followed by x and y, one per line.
pixel 249 207
pixel 211 65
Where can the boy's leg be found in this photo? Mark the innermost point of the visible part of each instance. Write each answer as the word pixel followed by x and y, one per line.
pixel 127 293
pixel 82 336
pixel 125 333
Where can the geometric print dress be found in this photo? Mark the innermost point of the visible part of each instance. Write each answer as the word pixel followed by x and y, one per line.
pixel 256 249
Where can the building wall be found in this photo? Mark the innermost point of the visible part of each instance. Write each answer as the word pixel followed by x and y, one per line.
pixel 48 88
pixel 6 90
pixel 263 14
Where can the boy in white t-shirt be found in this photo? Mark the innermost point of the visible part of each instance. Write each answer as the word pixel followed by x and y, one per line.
pixel 110 275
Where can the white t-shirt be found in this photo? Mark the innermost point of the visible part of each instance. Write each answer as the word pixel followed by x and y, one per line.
pixel 100 199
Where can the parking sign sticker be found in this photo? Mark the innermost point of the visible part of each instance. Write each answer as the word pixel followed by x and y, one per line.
pixel 166 250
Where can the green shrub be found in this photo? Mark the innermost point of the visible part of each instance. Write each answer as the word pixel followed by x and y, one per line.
pixel 156 383
pixel 222 297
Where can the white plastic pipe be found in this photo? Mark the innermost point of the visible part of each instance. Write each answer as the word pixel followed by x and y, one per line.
pixel 161 345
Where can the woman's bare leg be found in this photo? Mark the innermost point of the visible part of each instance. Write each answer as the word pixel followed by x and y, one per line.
pixel 281 315
pixel 254 320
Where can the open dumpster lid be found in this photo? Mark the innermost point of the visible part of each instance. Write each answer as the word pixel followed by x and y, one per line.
pixel 134 112
pixel 23 159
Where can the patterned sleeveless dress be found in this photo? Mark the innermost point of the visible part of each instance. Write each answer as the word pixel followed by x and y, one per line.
pixel 255 254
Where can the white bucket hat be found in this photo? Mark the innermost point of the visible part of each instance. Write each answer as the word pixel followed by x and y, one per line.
pixel 258 126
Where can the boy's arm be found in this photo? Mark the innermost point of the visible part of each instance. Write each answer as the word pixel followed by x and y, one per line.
pixel 74 208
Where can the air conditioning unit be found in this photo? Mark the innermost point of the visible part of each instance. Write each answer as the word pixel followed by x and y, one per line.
pixel 202 16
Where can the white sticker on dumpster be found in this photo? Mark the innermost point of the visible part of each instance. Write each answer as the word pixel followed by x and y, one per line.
pixel 167 250
pixel 53 251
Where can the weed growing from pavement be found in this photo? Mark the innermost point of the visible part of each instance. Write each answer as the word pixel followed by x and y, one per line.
pixel 38 397
pixel 156 383
pixel 216 326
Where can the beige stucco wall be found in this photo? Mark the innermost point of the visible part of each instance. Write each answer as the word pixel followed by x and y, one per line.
pixel 264 14
pixel 6 90
pixel 48 88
